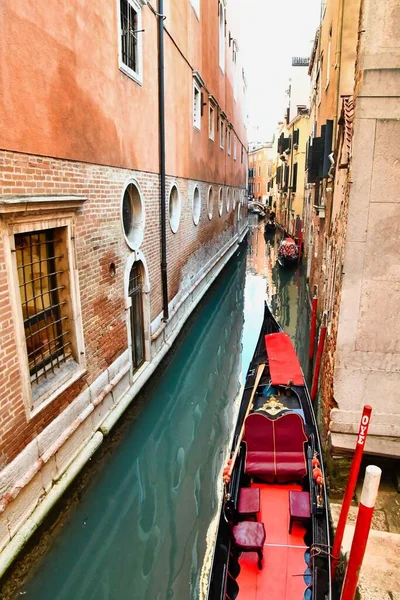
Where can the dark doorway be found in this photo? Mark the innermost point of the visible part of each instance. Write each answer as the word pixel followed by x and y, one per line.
pixel 137 329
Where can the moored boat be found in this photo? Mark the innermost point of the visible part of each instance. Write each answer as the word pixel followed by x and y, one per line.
pixel 270 226
pixel 288 253
pixel 273 533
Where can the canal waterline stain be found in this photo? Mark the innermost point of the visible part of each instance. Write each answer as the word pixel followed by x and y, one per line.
pixel 140 527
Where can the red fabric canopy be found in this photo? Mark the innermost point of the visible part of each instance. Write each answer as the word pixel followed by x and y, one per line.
pixel 284 365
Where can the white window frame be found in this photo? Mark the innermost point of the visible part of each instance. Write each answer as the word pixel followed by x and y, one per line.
pixel 196 7
pixel 135 75
pixel 198 83
pixel 235 49
pixel 221 29
pixel 27 216
pixel 229 136
pixel 234 147
pixel 211 121
pixel 221 133
pixel 196 105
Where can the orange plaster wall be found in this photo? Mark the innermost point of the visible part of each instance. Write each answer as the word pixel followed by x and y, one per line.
pixel 189 152
pixel 63 94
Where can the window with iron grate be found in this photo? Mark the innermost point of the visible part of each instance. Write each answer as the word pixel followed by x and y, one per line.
pixel 42 268
pixel 130 47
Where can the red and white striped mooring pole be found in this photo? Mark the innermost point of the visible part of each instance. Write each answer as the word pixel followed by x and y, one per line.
pixel 361 531
pixel 351 485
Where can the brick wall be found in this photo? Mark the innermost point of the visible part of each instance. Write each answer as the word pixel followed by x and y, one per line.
pixel 99 242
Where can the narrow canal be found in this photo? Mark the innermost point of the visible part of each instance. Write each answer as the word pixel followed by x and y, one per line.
pixel 139 530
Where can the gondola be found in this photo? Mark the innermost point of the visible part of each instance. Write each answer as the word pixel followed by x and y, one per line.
pixel 288 253
pixel 273 533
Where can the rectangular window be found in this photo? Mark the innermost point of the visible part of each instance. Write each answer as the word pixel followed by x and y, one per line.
pixel 242 154
pixel 234 147
pixel 211 123
pixel 222 134
pixel 258 187
pixel 235 70
pixel 294 182
pixel 196 7
pixel 44 295
pixel 259 171
pixel 41 275
pixel 221 16
pixel 229 142
pixel 130 36
pixel 196 106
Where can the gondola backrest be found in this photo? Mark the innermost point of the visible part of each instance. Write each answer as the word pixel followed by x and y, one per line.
pixel 275 447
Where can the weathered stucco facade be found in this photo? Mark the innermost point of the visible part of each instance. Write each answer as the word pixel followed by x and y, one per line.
pixel 351 232
pixel 80 223
pixel 367 369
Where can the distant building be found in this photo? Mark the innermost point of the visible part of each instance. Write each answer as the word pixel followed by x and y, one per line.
pixel 260 169
pixel 287 181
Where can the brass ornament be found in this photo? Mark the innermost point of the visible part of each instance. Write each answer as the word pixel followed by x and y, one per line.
pixel 273 406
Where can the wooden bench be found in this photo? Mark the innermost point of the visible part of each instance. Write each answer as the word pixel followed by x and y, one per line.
pixel 299 507
pixel 249 502
pixel 249 537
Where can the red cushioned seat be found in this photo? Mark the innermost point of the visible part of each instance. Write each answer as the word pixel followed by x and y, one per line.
pixel 290 438
pixel 275 447
pixel 260 456
pixel 250 537
pixel 249 502
pixel 299 507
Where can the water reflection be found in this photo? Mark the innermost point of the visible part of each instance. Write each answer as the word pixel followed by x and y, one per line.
pixel 284 289
pixel 140 529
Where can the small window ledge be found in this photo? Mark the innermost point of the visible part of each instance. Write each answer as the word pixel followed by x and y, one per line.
pixel 136 77
pixel 48 390
pixel 41 204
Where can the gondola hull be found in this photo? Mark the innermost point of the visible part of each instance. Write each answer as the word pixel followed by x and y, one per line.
pixel 283 407
pixel 288 262
pixel 270 227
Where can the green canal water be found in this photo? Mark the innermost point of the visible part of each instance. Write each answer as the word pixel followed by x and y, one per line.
pixel 139 528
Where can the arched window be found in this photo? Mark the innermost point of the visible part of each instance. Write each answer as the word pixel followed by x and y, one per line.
pixel 228 199
pixel 135 293
pixel 210 202
pixel 174 206
pixel 220 202
pixel 133 216
pixel 196 205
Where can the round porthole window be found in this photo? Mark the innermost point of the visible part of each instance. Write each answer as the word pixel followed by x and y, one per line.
pixel 174 207
pixel 133 215
pixel 228 199
pixel 220 202
pixel 210 202
pixel 196 206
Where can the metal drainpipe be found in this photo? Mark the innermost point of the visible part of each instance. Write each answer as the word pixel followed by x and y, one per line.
pixel 161 120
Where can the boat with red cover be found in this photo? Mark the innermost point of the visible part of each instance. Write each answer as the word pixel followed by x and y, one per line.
pixel 288 253
pixel 273 533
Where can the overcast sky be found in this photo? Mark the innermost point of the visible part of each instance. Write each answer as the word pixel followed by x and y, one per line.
pixel 272 31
